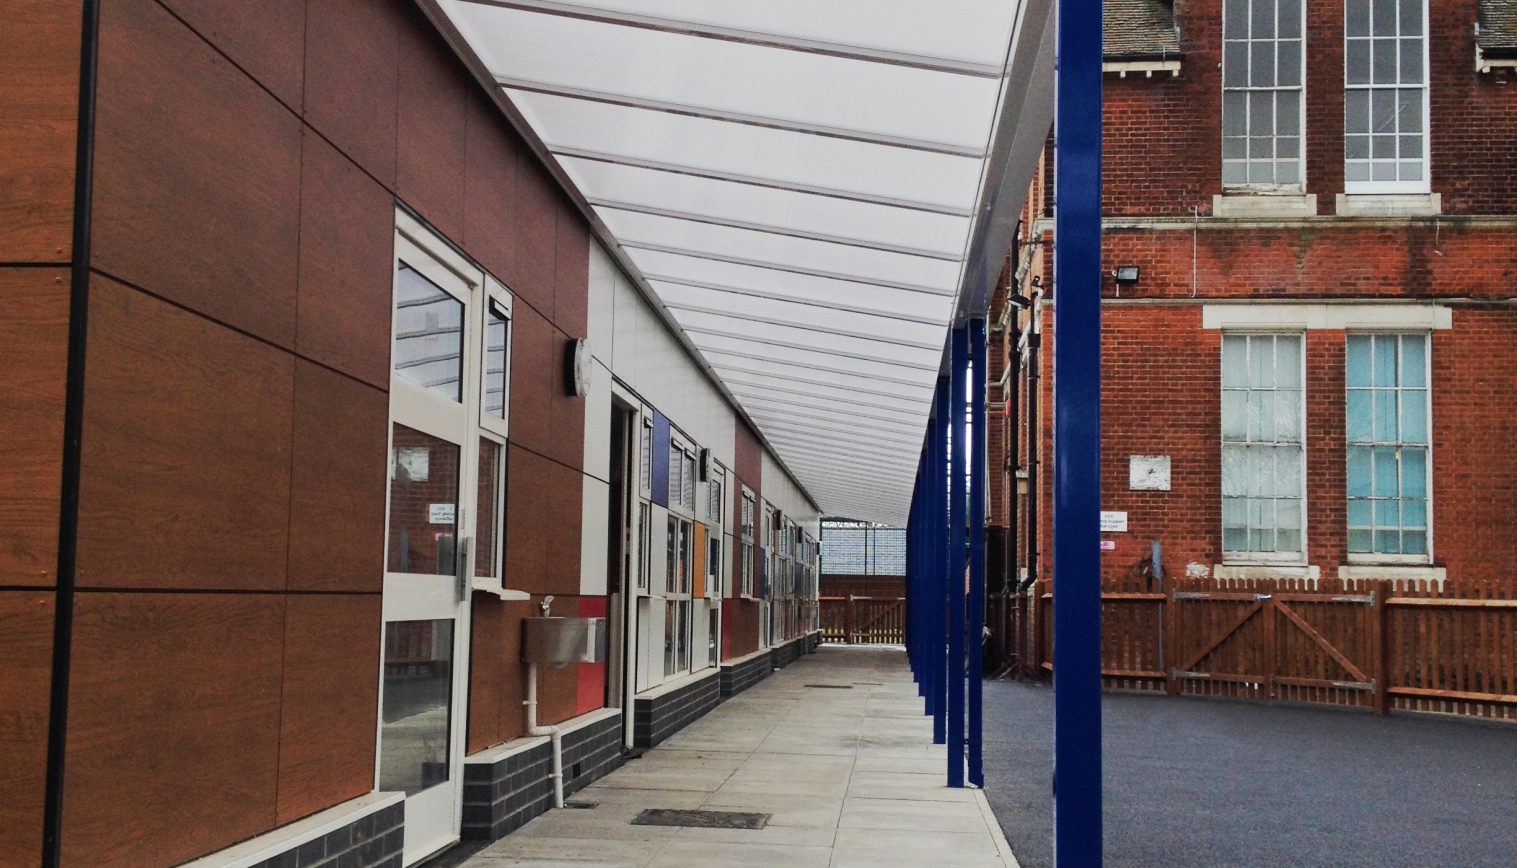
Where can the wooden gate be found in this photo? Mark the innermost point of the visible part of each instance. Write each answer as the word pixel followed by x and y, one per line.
pixel 1294 646
pixel 864 620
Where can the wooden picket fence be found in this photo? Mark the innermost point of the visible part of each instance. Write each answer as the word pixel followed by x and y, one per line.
pixel 1379 645
pixel 863 620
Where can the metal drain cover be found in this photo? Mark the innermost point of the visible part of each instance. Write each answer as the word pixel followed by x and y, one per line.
pixel 701 819
pixel 833 686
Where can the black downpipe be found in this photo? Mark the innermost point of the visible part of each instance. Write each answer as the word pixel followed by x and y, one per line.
pixel 73 426
pixel 1013 465
pixel 1034 361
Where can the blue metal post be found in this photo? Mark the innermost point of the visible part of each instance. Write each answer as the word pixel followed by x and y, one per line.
pixel 942 419
pixel 959 364
pixel 914 581
pixel 975 632
pixel 1077 438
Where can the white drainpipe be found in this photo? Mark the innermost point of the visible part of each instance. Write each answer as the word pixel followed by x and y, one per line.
pixel 534 730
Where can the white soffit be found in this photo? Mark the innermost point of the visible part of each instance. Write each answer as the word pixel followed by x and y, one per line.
pixel 807 188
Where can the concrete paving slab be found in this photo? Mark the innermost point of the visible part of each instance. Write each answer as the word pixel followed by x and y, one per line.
pixel 849 777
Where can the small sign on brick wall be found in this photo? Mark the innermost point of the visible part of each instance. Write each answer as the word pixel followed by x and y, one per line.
pixel 1113 522
pixel 1148 472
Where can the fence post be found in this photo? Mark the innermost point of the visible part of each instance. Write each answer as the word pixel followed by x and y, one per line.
pixel 849 621
pixel 1380 636
pixel 1171 648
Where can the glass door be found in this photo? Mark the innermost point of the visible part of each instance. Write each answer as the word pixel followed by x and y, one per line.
pixel 446 483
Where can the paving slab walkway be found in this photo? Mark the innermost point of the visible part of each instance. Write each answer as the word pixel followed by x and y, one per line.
pixel 848 774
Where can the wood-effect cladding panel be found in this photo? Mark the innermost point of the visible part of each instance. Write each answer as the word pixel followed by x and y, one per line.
pixel 492 163
pixel 544 416
pixel 543 519
pixel 267 38
pixel 185 480
pixel 538 201
pixel 328 715
pixel 497 677
pixel 33 341
pixel 487 662
pixel 536 380
pixel 347 238
pixel 39 105
pixel 351 75
pixel 337 483
pixel 197 175
pixel 528 476
pixel 571 292
pixel 747 460
pixel 26 625
pixel 173 725
pixel 433 111
pixel 740 625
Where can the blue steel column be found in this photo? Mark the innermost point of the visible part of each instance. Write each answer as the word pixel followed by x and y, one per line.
pixel 914 581
pixel 955 584
pixel 1077 438
pixel 976 629
pixel 938 485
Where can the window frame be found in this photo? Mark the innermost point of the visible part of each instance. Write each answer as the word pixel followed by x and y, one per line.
pixel 678 595
pixel 747 534
pixel 1275 558
pixel 1397 187
pixel 1246 186
pixel 1379 558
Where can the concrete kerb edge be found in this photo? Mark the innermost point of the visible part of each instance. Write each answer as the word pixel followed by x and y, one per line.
pixel 1002 845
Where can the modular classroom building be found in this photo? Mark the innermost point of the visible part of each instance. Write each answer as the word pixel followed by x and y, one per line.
pixel 337 389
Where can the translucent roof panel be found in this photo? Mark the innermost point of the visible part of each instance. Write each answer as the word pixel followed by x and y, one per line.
pixel 575 126
pixel 578 56
pixel 726 243
pixel 805 189
pixel 971 31
pixel 775 281
pixel 808 214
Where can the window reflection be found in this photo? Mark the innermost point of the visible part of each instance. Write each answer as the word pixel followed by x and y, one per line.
pixel 487 533
pixel 418 687
pixel 423 503
pixel 495 363
pixel 428 333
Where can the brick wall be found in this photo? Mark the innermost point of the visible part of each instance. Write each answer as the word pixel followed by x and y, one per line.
pixel 1162 139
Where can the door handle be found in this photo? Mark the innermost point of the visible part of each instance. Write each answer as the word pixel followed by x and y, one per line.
pixel 464 579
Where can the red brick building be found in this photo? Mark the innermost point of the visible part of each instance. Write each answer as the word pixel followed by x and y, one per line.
pixel 1308 363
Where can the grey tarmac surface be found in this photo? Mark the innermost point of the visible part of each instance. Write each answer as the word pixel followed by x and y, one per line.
pixel 1197 782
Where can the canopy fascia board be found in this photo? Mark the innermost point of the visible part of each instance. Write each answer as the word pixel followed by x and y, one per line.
pixel 1023 120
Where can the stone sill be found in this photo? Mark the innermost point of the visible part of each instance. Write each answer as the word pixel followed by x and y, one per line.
pixel 1255 572
pixel 1246 205
pixel 1389 204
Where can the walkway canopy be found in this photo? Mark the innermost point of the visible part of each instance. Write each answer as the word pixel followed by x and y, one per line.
pixel 812 193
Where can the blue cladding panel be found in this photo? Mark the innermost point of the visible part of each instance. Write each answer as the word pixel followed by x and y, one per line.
pixel 1077 432
pixel 660 459
pixel 956 557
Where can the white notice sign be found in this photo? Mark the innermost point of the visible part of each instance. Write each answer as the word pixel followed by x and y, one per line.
pixel 440 513
pixel 1113 522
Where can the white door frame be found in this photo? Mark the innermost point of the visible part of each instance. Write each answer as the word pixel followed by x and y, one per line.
pixel 434 815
